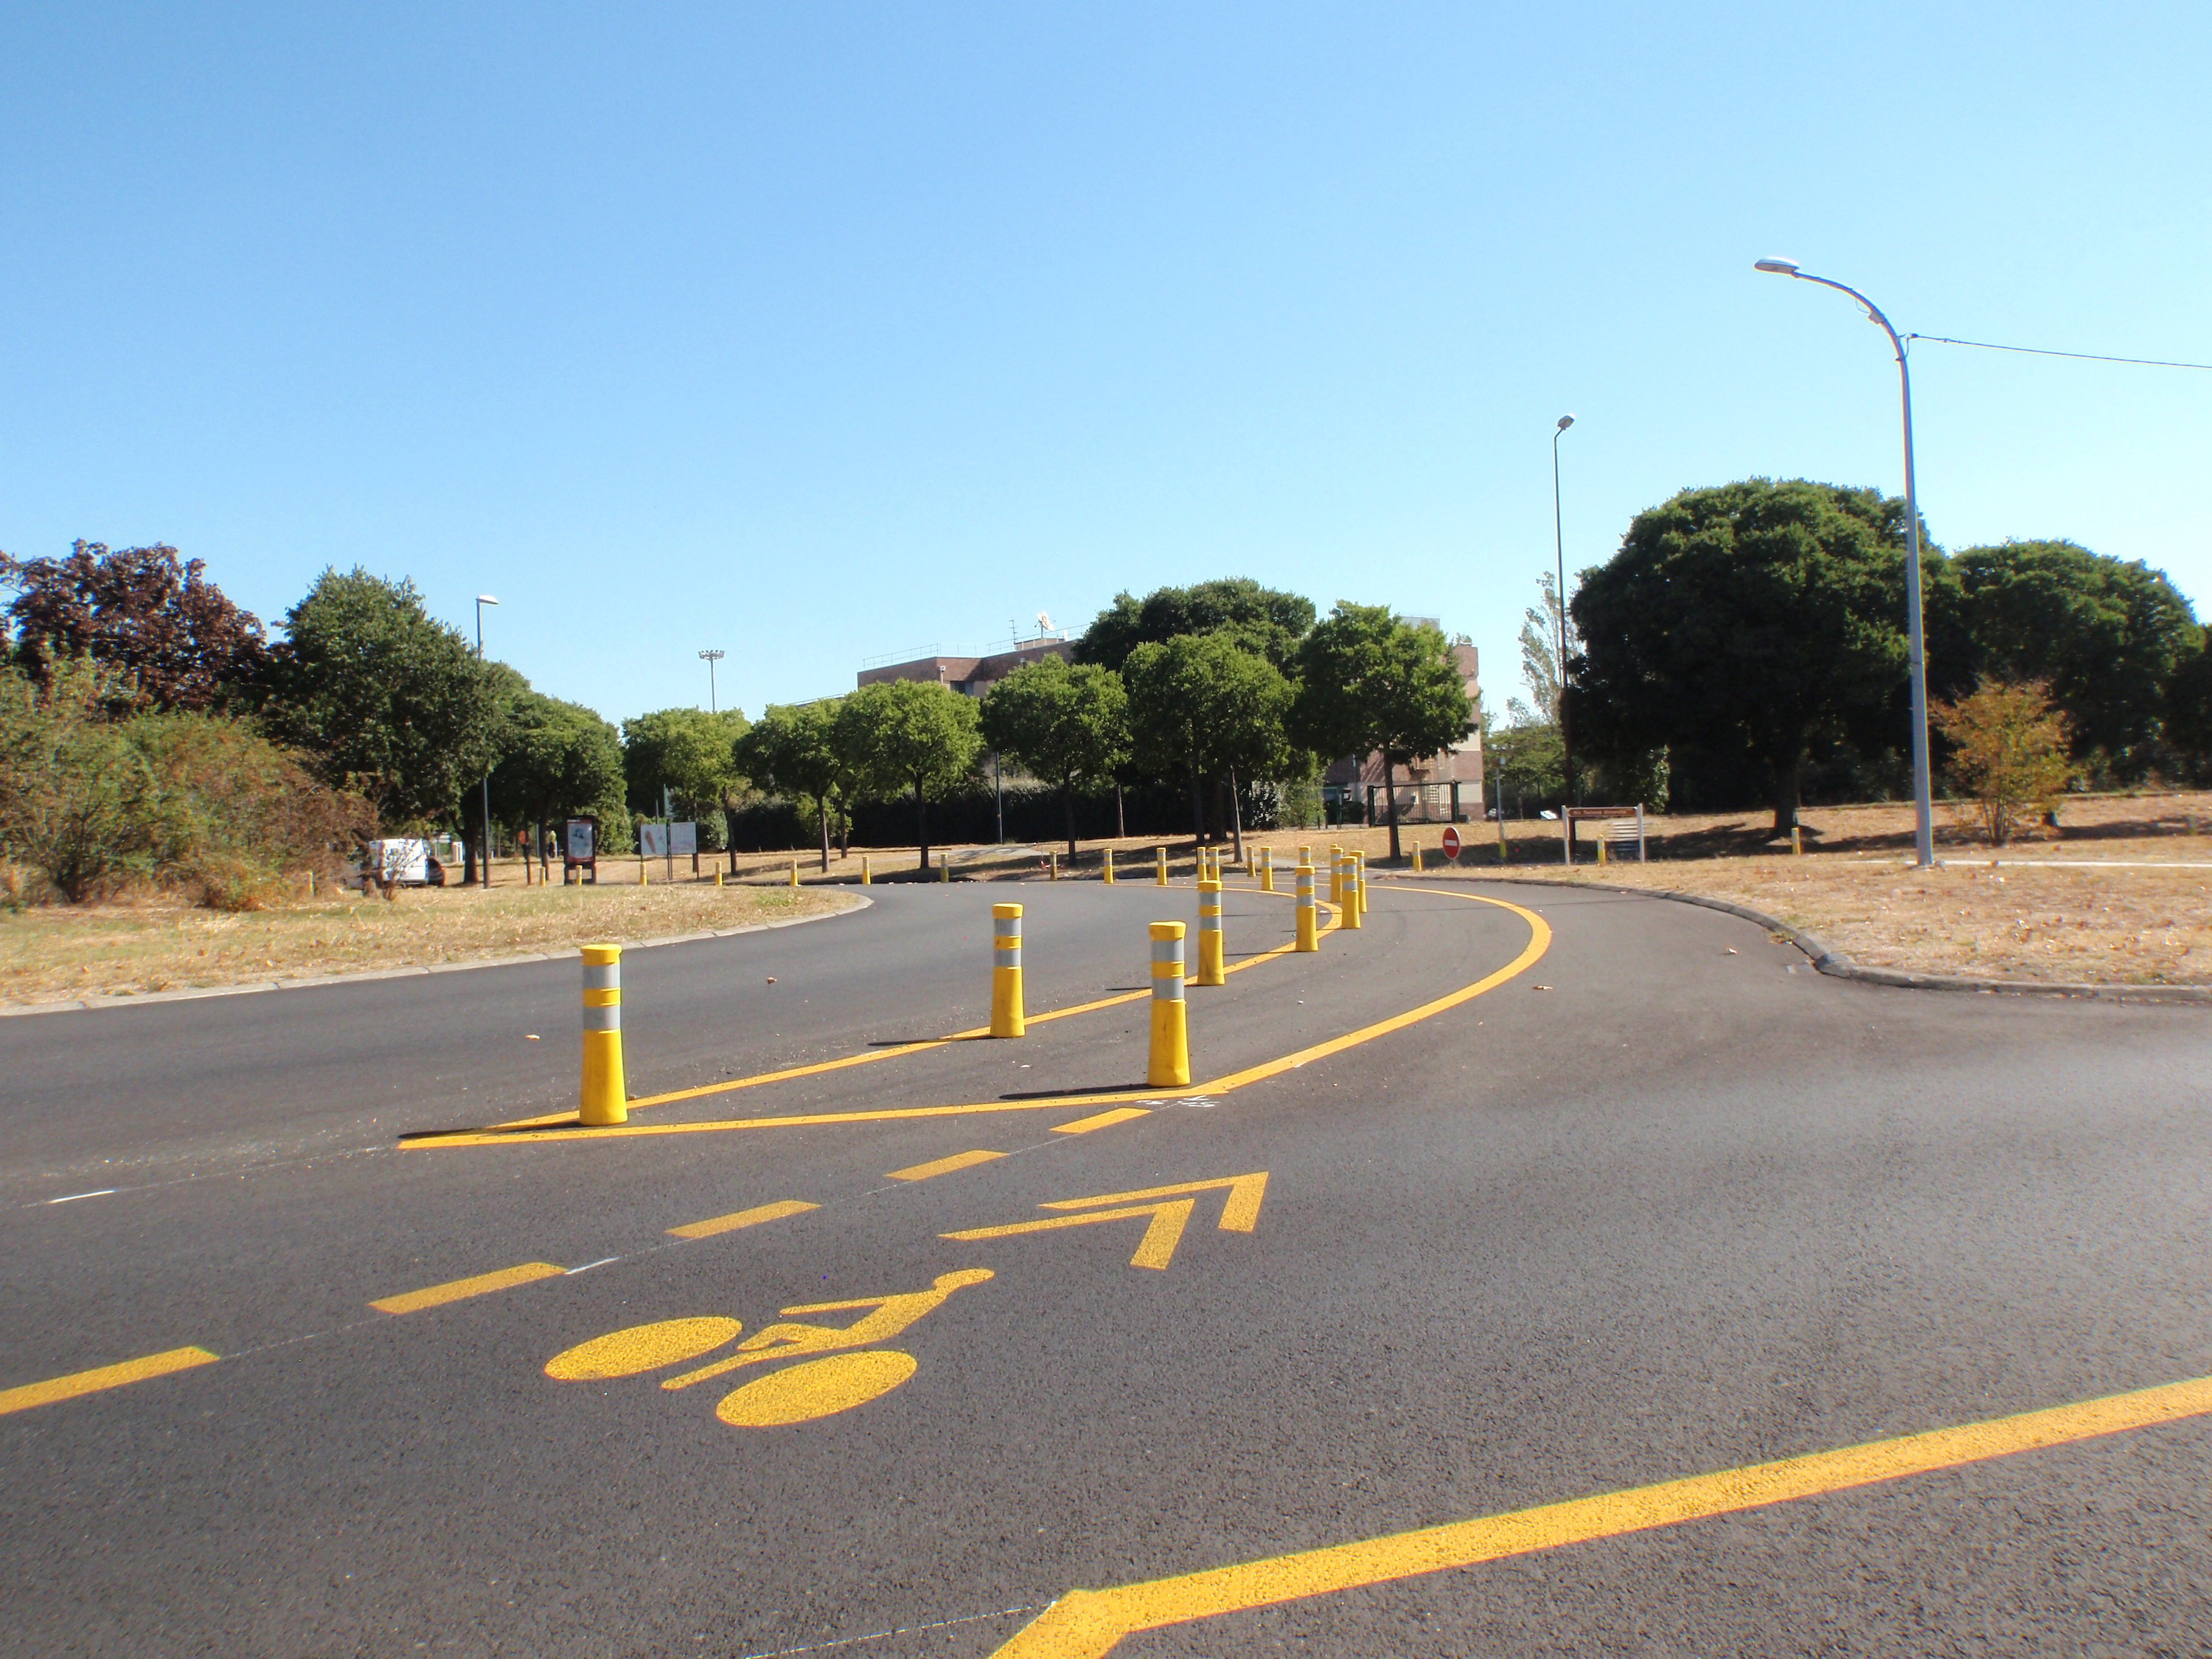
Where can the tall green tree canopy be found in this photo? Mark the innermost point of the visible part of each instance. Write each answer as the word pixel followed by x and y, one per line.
pixel 1204 709
pixel 389 703
pixel 2105 635
pixel 793 750
pixel 1065 723
pixel 173 639
pixel 691 756
pixel 1369 683
pixel 909 737
pixel 557 760
pixel 1261 619
pixel 1761 616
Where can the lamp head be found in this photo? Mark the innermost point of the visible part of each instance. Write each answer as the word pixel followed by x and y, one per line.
pixel 486 599
pixel 1565 420
pixel 1776 267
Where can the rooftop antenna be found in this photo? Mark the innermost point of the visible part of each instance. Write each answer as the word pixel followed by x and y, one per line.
pixel 1044 624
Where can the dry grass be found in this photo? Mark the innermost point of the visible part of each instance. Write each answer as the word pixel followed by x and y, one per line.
pixel 52 954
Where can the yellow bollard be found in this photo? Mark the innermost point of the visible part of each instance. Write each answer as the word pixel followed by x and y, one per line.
pixel 1797 845
pixel 644 876
pixel 1169 1065
pixel 1006 1019
pixel 1335 875
pixel 1417 858
pixel 1109 876
pixel 718 875
pixel 1209 935
pixel 1305 853
pixel 1053 860
pixel 794 873
pixel 1359 874
pixel 867 876
pixel 1309 922
pixel 1267 869
pixel 944 868
pixel 1601 850
pixel 1159 866
pixel 604 1099
pixel 1348 890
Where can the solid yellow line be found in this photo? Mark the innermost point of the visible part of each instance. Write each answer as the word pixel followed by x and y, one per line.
pixel 1083 1125
pixel 460 1289
pixel 1088 1624
pixel 752 1218
pixel 789 1072
pixel 1539 941
pixel 102 1377
pixel 938 1166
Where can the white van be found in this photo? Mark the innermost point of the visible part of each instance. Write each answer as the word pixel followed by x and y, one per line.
pixel 402 861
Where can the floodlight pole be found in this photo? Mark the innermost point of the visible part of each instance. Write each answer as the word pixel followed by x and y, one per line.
pixel 484 875
pixel 710 657
pixel 1924 830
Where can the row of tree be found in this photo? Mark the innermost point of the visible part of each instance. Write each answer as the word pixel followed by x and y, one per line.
pixel 1748 642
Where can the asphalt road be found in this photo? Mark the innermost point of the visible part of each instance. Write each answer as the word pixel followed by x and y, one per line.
pixel 1661 1203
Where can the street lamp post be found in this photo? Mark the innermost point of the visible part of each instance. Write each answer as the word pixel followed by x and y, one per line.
pixel 1559 553
pixel 1924 832
pixel 484 872
pixel 710 657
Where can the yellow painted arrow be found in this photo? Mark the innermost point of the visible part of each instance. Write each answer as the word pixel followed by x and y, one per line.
pixel 1169 1211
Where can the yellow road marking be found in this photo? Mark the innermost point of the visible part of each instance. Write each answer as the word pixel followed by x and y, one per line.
pixel 938 1166
pixel 752 1218
pixel 789 1072
pixel 102 1377
pixel 1088 1624
pixel 1540 940
pixel 1083 1125
pixel 460 1289
pixel 1239 1214
pixel 1155 1249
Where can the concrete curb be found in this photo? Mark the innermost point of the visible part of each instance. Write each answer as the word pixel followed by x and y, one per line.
pixel 90 1004
pixel 1830 961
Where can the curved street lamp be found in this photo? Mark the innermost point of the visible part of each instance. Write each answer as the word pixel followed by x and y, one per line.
pixel 1560 554
pixel 1923 834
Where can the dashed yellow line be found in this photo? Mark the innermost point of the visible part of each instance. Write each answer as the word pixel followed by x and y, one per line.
pixel 1090 1624
pixel 460 1290
pixel 938 1166
pixel 752 1218
pixel 1083 1125
pixel 100 1377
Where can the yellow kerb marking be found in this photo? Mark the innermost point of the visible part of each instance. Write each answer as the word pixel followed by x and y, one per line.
pixel 1083 1125
pixel 942 1166
pixel 460 1290
pixel 1088 1624
pixel 752 1218
pixel 102 1377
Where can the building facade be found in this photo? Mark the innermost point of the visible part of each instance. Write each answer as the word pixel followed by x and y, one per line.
pixel 971 677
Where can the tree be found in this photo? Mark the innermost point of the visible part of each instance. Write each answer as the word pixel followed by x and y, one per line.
pixel 1065 723
pixel 1762 617
pixel 1260 619
pixel 2008 752
pixel 793 750
pixel 388 702
pixel 1540 659
pixel 685 760
pixel 1370 682
pixel 1202 708
pixel 2105 636
pixel 909 736
pixel 558 760
pixel 174 641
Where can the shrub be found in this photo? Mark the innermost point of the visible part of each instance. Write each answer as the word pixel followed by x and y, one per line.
pixel 2009 753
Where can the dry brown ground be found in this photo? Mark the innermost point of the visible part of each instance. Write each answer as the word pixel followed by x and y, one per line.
pixel 51 953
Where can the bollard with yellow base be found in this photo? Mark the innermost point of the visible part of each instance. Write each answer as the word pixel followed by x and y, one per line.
pixel 1309 922
pixel 1169 1065
pixel 1052 860
pixel 1108 878
pixel 604 1099
pixel 867 876
pixel 1417 858
pixel 1796 842
pixel 944 868
pixel 1159 866
pixel 1209 935
pixel 1336 874
pixel 1267 869
pixel 1006 1019
pixel 1600 851
pixel 794 873
pixel 1348 890
pixel 1360 880
pixel 718 877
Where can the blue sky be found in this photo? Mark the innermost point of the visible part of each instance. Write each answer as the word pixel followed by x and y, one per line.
pixel 822 332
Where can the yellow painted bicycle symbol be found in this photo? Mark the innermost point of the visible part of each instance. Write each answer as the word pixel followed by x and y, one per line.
pixel 837 1381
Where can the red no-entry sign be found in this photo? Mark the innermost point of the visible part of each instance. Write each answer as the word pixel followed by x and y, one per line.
pixel 1451 842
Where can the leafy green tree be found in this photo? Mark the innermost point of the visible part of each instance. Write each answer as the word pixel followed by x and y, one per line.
pixel 174 641
pixel 1260 619
pixel 1065 723
pixel 685 759
pixel 387 701
pixel 558 760
pixel 1204 709
pixel 909 736
pixel 1530 763
pixel 2188 708
pixel 793 750
pixel 1766 617
pixel 2107 637
pixel 1371 683
pixel 2007 753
